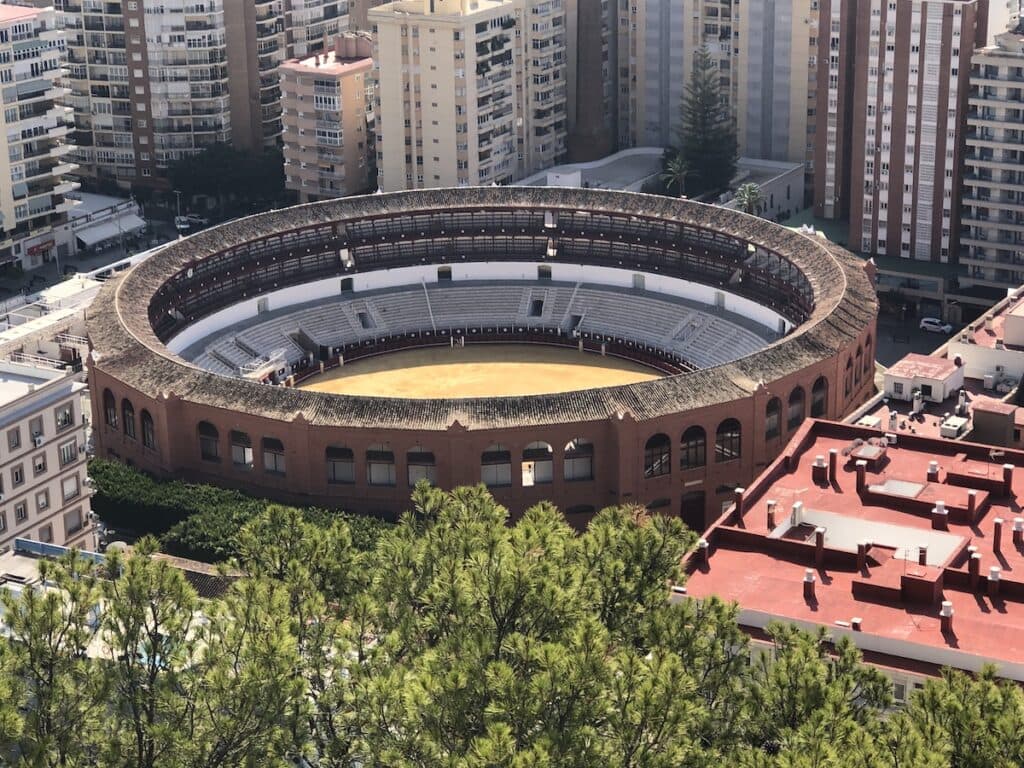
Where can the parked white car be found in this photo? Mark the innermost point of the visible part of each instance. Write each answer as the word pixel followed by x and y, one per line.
pixel 934 325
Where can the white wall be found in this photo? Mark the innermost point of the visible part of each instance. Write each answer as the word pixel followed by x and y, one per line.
pixel 514 270
pixel 979 361
pixel 941 388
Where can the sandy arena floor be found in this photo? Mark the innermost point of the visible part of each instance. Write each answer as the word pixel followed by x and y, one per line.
pixel 479 370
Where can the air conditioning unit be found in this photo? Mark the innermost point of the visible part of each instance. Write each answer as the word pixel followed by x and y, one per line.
pixel 87 482
pixel 37 440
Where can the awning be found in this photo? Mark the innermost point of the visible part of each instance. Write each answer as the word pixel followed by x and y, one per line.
pixel 110 229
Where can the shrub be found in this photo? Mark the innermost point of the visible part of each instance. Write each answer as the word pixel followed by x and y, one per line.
pixel 195 520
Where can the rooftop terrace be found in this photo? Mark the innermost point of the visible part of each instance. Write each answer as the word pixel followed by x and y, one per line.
pixel 879 537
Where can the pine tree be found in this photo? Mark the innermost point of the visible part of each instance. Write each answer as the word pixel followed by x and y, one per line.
pixel 708 136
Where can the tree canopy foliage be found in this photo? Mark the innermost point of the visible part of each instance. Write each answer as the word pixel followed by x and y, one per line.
pixel 458 640
pixel 708 145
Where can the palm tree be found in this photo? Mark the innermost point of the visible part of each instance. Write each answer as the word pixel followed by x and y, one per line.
pixel 749 197
pixel 675 173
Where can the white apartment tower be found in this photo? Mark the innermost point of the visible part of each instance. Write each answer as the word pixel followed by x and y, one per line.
pixel 470 92
pixel 34 152
pixel 992 236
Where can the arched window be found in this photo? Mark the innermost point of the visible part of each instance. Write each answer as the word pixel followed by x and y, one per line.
pixel 848 378
pixel 209 441
pixel 128 418
pixel 658 456
pixel 421 466
pixel 819 398
pixel 869 357
pixel 728 441
pixel 496 466
pixel 693 452
pixel 858 365
pixel 795 414
pixel 273 456
pixel 341 465
pixel 537 465
pixel 579 460
pixel 241 450
pixel 380 465
pixel 148 432
pixel 109 409
pixel 692 510
pixel 773 419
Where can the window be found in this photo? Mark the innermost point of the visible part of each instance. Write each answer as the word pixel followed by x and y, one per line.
pixel 42 501
pixel 20 512
pixel 579 460
pixel 819 398
pixel 728 441
pixel 796 408
pixel 657 456
pixel 537 468
pixel 496 466
pixel 380 465
pixel 3 522
pixel 857 365
pixel 69 487
pixel 109 409
pixel 148 433
pixel 35 427
pixel 926 390
pixel 273 456
pixel 848 378
pixel 128 417
pixel 421 466
pixel 897 387
pixel 14 439
pixel 73 521
pixel 46 534
pixel 241 450
pixel 869 360
pixel 209 442
pixel 68 453
pixel 341 465
pixel 17 476
pixel 64 416
pixel 39 464
pixel 693 449
pixel 444 274
pixel 773 419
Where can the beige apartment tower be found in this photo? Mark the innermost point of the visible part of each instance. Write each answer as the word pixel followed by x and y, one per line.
pixel 34 153
pixel 328 125
pixel 470 92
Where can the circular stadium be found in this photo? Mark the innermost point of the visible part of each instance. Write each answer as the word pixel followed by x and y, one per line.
pixel 581 346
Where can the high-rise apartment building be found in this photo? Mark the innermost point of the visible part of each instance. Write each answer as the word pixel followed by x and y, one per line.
pixel 33 149
pixel 657 42
pixel 893 81
pixel 153 81
pixel 149 84
pixel 327 114
pixel 592 109
pixel 469 91
pixel 776 75
pixel 992 234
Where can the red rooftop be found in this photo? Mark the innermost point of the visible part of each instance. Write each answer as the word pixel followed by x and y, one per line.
pixel 911 545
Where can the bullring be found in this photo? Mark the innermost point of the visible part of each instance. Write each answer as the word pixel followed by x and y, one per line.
pixel 325 282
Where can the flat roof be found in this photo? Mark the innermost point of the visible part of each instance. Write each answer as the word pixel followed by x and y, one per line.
pixel 9 13
pixel 923 366
pixel 897 599
pixel 330 64
pixel 18 380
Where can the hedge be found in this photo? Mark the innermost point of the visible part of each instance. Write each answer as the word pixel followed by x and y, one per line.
pixel 195 520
